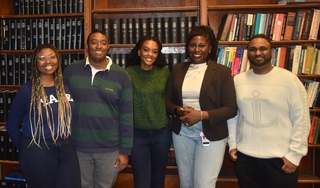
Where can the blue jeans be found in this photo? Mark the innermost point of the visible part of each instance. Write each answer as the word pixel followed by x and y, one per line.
pixel 55 166
pixel 149 157
pixel 198 166
pixel 97 169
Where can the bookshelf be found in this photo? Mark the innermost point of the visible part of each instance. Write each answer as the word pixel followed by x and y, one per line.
pixel 204 12
pixel 309 169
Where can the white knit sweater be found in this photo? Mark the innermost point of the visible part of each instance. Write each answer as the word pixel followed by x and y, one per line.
pixel 273 118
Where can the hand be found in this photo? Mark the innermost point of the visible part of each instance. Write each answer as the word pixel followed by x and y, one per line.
pixel 288 167
pixel 122 160
pixel 233 154
pixel 191 116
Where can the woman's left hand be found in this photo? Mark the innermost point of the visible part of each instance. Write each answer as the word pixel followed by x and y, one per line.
pixel 191 116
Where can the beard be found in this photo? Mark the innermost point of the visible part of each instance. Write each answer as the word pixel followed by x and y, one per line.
pixel 259 63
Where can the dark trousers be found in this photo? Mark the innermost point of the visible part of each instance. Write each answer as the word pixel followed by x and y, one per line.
pixel 149 157
pixel 263 173
pixel 55 166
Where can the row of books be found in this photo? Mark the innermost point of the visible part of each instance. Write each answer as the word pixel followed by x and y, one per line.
pixel 300 25
pixel 297 1
pixel 297 59
pixel 22 7
pixel 129 30
pixel 314 134
pixel 16 69
pixel 26 34
pixel 7 149
pixel 172 59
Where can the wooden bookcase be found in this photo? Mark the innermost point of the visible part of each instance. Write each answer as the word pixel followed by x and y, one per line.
pixel 208 12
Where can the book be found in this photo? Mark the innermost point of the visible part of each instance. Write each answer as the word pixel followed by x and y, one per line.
pixel 57 33
pixel 23 69
pixel 224 27
pixel 317 132
pixel 166 30
pixel 174 29
pixel 28 34
pixel 307 25
pixel 314 123
pixel 68 31
pixel 97 24
pixel 46 30
pixel 282 56
pixel 115 32
pixel 307 66
pixel 152 26
pixel 124 31
pixel 104 26
pixel 249 26
pixel 297 25
pixel 296 59
pixel 74 33
pixel 10 70
pixel 137 30
pixel 4 71
pixel 289 26
pixel 17 70
pixel 79 36
pixel 12 34
pixel 241 27
pixel 302 24
pixel 182 29
pixel 313 34
pixel 144 26
pixel 15 176
pixel 18 35
pixel 160 28
pixel 3 132
pixel 34 31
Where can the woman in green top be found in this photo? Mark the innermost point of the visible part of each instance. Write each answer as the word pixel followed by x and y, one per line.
pixel 149 72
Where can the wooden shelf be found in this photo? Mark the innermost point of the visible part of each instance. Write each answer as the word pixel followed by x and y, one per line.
pixel 9 162
pixel 146 10
pixel 277 43
pixel 261 7
pixel 72 15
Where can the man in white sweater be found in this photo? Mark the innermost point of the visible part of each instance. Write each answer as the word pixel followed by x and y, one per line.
pixel 268 137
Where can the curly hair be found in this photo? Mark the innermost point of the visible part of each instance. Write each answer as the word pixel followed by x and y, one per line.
pixel 134 58
pixel 39 99
pixel 206 32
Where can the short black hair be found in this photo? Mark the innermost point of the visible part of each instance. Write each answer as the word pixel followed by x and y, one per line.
pixel 261 36
pixel 97 31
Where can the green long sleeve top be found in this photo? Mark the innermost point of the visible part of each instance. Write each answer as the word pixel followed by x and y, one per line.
pixel 149 110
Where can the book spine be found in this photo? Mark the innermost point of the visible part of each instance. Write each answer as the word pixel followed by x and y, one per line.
pixel 73 33
pixel 182 29
pixel 34 31
pixel 23 70
pixel 63 33
pixel 17 70
pixel 79 42
pixel 10 69
pixel 124 31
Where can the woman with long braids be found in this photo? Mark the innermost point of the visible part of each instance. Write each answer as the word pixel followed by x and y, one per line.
pixel 44 107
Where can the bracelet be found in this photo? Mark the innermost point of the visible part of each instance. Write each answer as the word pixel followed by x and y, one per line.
pixel 200 115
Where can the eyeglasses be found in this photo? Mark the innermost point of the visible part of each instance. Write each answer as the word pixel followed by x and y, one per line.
pixel 44 58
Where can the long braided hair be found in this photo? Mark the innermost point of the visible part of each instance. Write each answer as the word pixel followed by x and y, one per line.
pixel 39 100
